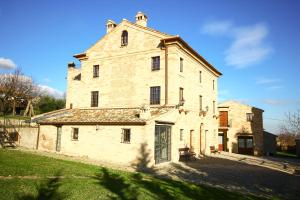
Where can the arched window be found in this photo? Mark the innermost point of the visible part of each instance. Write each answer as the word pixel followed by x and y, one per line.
pixel 124 38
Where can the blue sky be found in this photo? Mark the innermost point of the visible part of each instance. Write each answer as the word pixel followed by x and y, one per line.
pixel 255 44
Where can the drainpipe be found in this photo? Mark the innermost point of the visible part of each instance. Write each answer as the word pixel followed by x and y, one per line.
pixel 166 73
pixel 38 138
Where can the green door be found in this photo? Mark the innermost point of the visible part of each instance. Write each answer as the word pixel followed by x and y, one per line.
pixel 162 143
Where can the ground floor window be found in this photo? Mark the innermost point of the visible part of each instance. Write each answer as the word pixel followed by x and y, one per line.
pixel 125 135
pixel 75 133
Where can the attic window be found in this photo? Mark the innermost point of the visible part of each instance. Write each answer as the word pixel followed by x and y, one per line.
pixel 124 38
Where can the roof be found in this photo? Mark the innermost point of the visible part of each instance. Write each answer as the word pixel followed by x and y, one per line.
pixel 166 38
pixel 104 116
pixel 266 132
pixel 195 53
pixel 227 104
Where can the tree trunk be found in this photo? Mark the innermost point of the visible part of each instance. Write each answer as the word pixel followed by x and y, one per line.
pixel 27 108
pixel 14 107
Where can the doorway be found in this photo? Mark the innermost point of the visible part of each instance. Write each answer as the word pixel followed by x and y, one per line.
pixel 162 143
pixel 245 145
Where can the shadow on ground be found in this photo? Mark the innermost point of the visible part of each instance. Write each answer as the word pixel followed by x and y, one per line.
pixel 47 190
pixel 235 176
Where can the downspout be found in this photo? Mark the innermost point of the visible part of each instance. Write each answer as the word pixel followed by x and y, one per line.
pixel 166 73
pixel 38 138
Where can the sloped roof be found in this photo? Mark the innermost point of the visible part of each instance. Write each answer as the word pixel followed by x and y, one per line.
pixel 227 104
pixel 104 116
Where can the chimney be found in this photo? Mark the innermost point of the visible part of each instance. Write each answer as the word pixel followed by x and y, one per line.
pixel 110 25
pixel 141 19
pixel 71 65
pixel 145 112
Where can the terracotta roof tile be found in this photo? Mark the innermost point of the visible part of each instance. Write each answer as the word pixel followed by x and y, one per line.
pixel 98 116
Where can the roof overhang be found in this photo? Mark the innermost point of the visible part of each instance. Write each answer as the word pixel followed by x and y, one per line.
pixel 192 51
pixel 92 123
pixel 81 56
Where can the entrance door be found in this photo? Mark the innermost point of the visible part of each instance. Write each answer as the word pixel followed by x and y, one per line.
pixel 162 143
pixel 221 142
pixel 58 138
pixel 245 145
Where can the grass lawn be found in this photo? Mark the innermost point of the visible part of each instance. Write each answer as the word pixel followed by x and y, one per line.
pixel 38 177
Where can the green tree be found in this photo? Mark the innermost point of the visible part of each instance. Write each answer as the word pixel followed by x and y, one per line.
pixel 48 103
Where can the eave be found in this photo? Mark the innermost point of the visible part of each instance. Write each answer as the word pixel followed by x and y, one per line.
pixel 191 50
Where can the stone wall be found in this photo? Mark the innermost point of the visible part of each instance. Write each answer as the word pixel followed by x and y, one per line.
pixel 240 126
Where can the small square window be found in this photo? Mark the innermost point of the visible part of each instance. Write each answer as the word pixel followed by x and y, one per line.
pixel 75 133
pixel 249 117
pixel 125 135
pixel 155 65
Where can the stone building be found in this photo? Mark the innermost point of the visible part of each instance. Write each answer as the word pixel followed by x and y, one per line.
pixel 138 93
pixel 240 128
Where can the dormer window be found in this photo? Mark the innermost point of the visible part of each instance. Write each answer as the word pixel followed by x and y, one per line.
pixel 124 38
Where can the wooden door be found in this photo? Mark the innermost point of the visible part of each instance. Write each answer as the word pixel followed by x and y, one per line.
pixel 221 142
pixel 223 119
pixel 245 145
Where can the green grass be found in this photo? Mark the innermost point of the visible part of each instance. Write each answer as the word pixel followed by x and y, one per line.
pixel 285 154
pixel 74 180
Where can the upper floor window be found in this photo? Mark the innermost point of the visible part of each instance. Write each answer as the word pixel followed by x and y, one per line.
pixel 213 84
pixel 200 102
pixel 96 71
pixel 181 64
pixel 125 135
pixel 155 63
pixel 155 95
pixel 75 133
pixel 249 117
pixel 181 135
pixel 200 76
pixel 181 99
pixel 124 38
pixel 214 107
pixel 94 98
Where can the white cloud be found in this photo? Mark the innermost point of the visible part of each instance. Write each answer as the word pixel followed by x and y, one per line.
pixel 248 42
pixel 275 87
pixel 264 81
pixel 47 80
pixel 51 91
pixel 217 27
pixel 6 63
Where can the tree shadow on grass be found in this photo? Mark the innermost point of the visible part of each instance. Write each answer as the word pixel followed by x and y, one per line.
pixel 117 185
pixel 47 190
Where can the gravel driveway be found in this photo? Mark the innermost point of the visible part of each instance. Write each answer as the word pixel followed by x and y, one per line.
pixel 233 175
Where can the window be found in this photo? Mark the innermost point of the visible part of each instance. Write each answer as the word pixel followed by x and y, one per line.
pixel 181 99
pixel 181 135
pixel 155 95
pixel 94 99
pixel 96 71
pixel 214 107
pixel 125 135
pixel 75 133
pixel 200 102
pixel 200 76
pixel 213 84
pixel 124 38
pixel 77 77
pixel 249 117
pixel 181 64
pixel 155 63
